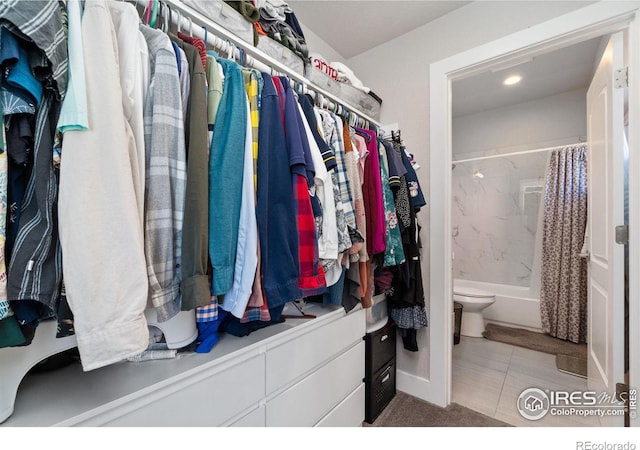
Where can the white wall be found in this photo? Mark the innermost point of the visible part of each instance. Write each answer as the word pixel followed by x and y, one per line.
pixel 317 45
pixel 398 71
pixel 555 120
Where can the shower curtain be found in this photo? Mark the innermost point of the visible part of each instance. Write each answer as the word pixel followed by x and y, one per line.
pixel 563 291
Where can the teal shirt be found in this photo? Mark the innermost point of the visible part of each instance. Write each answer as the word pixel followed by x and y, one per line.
pixel 226 159
pixel 73 115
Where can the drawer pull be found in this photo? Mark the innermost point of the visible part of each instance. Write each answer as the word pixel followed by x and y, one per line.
pixel 384 338
pixel 386 378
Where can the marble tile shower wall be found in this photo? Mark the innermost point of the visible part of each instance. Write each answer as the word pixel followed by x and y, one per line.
pixel 496 204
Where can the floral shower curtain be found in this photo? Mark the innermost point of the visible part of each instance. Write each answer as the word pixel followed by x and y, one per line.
pixel 563 292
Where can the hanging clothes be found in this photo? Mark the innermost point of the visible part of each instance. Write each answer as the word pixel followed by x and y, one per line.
pixel 199 44
pixel 41 22
pixel 20 94
pixel 165 175
pixel 275 204
pixel 194 285
pixel 406 301
pixel 35 269
pixel 326 151
pixel 10 333
pixel 393 252
pixel 225 177
pixel 358 235
pixel 311 278
pixel 73 115
pixel 246 261
pixel 326 227
pixel 133 62
pixel 108 305
pixel 332 136
pixel 257 308
pixel 372 190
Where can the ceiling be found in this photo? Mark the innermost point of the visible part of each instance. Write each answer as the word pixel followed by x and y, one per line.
pixel 560 71
pixel 353 27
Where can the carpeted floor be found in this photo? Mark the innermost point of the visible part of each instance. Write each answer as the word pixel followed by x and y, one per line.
pixel 570 357
pixel 407 411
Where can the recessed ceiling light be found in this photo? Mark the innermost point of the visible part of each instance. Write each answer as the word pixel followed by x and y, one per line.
pixel 513 79
pixel 478 174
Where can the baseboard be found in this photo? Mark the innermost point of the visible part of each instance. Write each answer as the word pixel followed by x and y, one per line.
pixel 418 387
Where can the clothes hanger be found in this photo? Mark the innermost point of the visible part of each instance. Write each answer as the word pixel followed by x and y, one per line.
pixel 179 23
pixel 146 13
pixel 232 51
pixel 169 20
pixel 191 27
pixel 206 38
pixel 242 57
pixel 302 315
pixel 154 13
pixel 165 17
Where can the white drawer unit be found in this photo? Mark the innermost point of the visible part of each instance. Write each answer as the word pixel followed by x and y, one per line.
pixel 348 413
pixel 237 388
pixel 254 419
pixel 292 359
pixel 305 403
pixel 301 372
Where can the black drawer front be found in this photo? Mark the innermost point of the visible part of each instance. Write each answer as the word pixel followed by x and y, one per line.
pixel 380 348
pixel 379 391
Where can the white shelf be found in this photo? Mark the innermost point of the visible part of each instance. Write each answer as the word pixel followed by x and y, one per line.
pixel 69 396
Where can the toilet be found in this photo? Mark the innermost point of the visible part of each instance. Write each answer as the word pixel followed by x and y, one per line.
pixel 473 301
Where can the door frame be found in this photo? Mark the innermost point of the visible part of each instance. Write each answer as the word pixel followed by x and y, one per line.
pixel 586 23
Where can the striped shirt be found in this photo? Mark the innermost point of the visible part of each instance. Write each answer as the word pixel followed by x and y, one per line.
pixel 40 22
pixel 36 266
pixel 333 131
pixel 198 44
pixel 165 175
pixel 35 271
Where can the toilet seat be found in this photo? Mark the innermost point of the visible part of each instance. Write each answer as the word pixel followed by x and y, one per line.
pixel 471 292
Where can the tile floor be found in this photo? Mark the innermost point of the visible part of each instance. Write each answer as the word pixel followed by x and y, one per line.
pixel 489 376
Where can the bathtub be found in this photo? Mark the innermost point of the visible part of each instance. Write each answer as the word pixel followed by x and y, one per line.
pixel 515 306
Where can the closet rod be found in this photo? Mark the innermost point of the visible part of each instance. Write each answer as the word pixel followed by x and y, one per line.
pixel 537 150
pixel 257 54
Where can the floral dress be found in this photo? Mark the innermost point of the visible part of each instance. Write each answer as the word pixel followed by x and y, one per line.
pixel 393 253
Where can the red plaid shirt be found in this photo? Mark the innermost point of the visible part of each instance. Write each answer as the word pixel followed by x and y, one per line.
pixel 311 280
